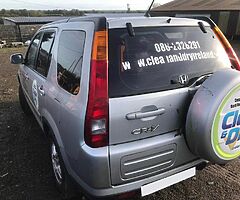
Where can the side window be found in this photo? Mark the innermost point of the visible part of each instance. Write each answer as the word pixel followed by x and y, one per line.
pixel 69 64
pixel 45 55
pixel 32 51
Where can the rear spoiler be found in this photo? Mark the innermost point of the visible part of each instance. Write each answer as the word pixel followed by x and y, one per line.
pixel 203 18
pixel 227 46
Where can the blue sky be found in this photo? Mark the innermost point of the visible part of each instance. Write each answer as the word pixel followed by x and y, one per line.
pixel 77 4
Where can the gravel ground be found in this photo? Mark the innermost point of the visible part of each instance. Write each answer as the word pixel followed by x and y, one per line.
pixel 25 171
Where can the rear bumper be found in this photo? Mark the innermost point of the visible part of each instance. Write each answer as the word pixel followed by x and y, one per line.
pixel 140 159
pixel 136 185
pixel 127 167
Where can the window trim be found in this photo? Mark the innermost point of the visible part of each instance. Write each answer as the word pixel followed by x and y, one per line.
pixel 35 59
pixel 38 52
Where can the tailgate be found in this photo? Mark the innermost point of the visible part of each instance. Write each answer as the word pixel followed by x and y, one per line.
pixel 150 73
pixel 127 124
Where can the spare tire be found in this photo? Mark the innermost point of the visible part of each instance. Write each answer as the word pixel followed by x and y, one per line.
pixel 213 119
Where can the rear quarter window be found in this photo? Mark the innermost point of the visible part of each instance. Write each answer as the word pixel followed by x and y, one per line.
pixel 69 62
pixel 155 56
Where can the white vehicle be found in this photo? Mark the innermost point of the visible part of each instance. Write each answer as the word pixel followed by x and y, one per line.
pixel 3 43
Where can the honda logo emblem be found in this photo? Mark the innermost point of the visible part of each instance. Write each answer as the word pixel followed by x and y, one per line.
pixel 183 79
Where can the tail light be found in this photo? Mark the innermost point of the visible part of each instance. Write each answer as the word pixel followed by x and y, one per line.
pixel 96 122
pixel 228 48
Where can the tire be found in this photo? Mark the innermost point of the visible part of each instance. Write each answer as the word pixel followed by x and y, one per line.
pixel 23 102
pixel 63 181
pixel 213 119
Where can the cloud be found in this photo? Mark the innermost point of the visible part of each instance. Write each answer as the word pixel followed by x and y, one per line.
pixel 73 4
pixel 81 4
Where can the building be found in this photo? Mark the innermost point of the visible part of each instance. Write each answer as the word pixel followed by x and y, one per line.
pixel 30 20
pixel 24 27
pixel 225 13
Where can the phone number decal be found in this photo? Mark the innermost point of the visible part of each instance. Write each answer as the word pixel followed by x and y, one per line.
pixel 176 46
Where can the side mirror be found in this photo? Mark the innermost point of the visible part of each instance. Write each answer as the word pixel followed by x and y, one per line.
pixel 17 58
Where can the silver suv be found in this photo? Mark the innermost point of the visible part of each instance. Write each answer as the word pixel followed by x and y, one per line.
pixel 131 104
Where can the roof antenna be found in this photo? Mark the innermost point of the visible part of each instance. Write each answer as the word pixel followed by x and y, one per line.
pixel 169 20
pixel 147 14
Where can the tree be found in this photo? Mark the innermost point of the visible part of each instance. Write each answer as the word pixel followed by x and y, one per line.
pixel 40 13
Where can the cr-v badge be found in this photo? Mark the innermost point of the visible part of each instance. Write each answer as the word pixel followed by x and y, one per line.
pixel 145 130
pixel 183 79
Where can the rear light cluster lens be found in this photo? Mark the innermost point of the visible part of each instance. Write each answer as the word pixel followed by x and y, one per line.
pixel 228 48
pixel 96 122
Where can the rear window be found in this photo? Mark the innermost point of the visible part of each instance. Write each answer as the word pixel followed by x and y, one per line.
pixel 155 57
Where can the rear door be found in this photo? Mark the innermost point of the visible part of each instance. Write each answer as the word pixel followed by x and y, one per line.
pixel 37 84
pixel 73 65
pixel 149 75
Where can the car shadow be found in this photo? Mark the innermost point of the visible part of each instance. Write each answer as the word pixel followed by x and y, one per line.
pixel 25 163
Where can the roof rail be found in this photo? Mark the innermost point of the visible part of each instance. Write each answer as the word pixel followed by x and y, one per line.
pixel 56 22
pixel 100 22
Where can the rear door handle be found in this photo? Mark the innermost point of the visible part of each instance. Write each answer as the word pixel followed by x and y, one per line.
pixel 41 91
pixel 140 115
pixel 57 100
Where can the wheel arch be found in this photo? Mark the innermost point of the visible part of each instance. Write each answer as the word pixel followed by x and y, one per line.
pixel 51 130
pixel 50 127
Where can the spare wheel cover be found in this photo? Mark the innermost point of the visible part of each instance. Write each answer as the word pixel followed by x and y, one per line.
pixel 213 119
